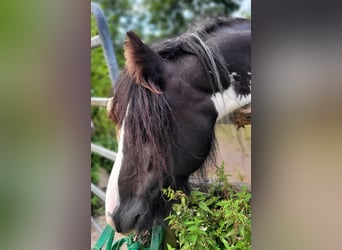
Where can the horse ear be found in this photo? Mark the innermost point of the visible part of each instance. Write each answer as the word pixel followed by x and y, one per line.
pixel 143 64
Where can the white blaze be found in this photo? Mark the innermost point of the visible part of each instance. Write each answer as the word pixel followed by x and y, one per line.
pixel 227 101
pixel 112 194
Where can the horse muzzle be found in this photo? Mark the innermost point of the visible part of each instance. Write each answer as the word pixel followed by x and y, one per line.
pixel 133 216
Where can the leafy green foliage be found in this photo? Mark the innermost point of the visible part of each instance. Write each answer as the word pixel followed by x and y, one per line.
pixel 172 17
pixel 218 219
pixel 96 206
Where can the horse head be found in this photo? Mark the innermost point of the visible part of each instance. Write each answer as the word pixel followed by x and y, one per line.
pixel 165 105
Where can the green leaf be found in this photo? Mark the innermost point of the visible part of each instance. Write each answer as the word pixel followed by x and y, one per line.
pixel 225 242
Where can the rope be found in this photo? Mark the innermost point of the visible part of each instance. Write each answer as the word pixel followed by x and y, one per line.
pixel 107 237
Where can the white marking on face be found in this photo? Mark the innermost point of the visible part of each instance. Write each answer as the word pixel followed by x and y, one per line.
pixel 112 194
pixel 227 101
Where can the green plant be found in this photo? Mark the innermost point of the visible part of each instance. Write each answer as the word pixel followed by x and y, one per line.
pixel 96 206
pixel 217 219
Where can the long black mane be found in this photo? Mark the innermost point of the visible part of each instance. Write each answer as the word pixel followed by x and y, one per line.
pixel 151 118
pixel 175 47
pixel 192 42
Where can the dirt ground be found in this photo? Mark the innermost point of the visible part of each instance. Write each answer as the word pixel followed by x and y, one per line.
pixel 234 149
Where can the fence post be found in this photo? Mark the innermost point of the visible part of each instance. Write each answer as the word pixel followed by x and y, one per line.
pixel 106 42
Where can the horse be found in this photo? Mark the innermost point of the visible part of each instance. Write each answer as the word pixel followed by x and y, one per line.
pixel 165 106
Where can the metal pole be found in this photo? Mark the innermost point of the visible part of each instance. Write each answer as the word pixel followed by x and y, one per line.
pixel 95 42
pixel 109 154
pixel 96 225
pixel 99 101
pixel 98 192
pixel 106 42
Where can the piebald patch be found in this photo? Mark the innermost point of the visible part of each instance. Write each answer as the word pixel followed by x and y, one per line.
pixel 112 194
pixel 227 101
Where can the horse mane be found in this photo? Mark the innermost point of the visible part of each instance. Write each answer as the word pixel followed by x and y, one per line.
pixel 172 48
pixel 193 42
pixel 151 119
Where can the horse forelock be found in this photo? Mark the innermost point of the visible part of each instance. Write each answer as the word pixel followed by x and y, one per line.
pixel 148 123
